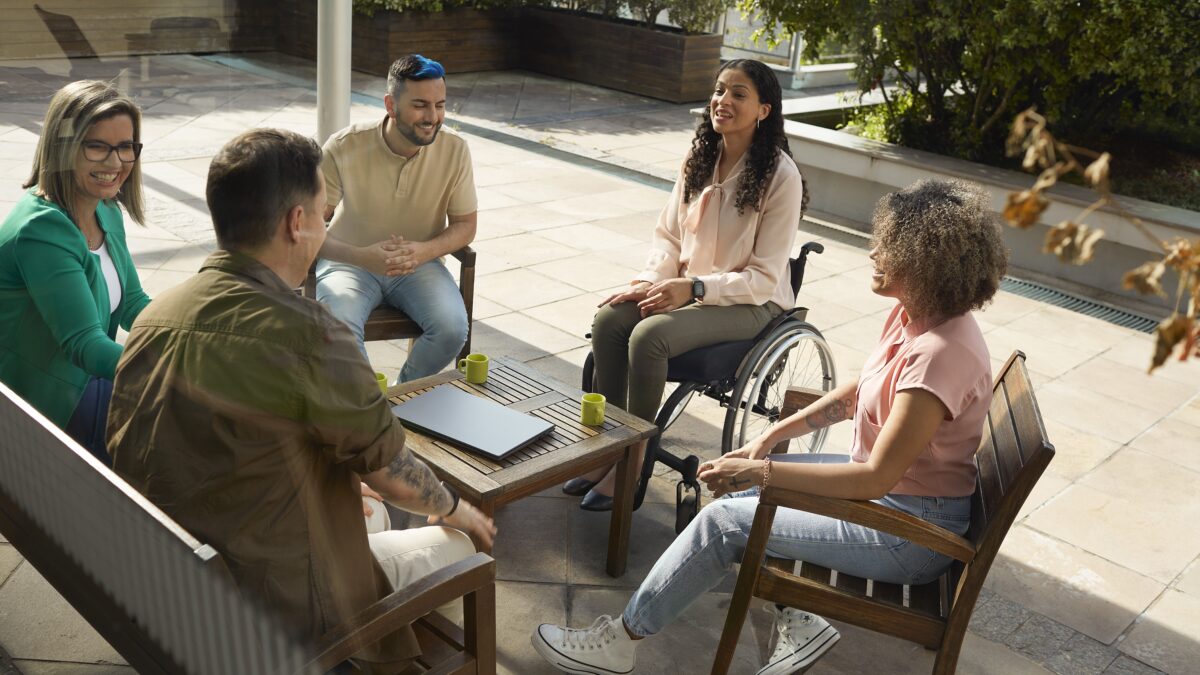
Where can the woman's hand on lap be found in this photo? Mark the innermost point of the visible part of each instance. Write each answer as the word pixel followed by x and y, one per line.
pixel 666 296
pixel 636 293
pixel 731 474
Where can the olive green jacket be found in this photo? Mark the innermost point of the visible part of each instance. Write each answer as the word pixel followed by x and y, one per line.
pixel 56 327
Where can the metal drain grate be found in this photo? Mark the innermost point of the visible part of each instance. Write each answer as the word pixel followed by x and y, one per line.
pixel 1120 317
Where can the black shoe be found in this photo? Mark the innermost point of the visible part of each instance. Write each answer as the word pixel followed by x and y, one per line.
pixel 577 487
pixel 594 501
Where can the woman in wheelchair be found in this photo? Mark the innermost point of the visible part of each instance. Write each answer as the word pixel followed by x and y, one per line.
pixel 917 408
pixel 718 267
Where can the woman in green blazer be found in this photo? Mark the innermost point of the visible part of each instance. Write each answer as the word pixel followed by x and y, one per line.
pixel 66 278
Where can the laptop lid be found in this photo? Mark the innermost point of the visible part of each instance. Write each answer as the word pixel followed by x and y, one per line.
pixel 471 422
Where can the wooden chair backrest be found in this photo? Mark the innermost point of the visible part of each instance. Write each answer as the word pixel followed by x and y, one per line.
pixel 162 599
pixel 1011 458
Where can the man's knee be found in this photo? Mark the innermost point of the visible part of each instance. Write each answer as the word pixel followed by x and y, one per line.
pixel 408 555
pixel 449 324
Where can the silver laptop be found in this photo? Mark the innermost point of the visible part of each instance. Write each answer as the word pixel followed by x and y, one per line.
pixel 471 422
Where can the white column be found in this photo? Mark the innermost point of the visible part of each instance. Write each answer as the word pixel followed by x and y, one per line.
pixel 333 67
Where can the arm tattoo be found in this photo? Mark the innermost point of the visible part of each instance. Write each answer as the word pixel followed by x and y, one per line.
pixel 431 496
pixel 836 411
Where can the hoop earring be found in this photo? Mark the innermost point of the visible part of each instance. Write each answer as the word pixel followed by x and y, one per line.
pixel 757 122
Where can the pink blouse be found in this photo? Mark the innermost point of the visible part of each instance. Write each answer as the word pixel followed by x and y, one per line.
pixel 741 258
pixel 948 358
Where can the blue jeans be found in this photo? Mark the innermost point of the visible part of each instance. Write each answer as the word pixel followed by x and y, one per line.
pixel 87 423
pixel 706 551
pixel 428 296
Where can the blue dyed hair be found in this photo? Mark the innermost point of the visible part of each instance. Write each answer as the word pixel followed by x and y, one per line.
pixel 412 67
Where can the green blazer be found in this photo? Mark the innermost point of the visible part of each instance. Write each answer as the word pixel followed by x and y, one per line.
pixel 56 327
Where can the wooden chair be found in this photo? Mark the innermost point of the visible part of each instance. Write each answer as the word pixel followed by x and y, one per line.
pixel 166 602
pixel 1012 456
pixel 386 323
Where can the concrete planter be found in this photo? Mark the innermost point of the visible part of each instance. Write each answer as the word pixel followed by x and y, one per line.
pixel 662 63
pixel 848 175
pixel 462 39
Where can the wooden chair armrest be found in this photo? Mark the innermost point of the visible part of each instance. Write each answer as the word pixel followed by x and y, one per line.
pixel 401 608
pixel 877 517
pixel 466 256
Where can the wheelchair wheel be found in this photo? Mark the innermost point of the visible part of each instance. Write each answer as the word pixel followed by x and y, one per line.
pixel 795 355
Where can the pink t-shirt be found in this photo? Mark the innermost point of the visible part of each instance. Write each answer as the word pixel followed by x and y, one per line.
pixel 949 359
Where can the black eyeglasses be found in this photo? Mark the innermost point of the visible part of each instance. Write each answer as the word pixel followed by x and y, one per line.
pixel 98 151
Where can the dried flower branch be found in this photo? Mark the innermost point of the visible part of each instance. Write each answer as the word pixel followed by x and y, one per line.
pixel 1074 242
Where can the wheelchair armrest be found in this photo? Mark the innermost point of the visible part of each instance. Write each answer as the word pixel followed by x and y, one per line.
pixel 877 517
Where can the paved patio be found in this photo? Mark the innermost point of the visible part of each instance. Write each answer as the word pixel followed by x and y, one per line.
pixel 1099 575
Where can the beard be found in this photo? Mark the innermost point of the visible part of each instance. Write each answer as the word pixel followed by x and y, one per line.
pixel 409 132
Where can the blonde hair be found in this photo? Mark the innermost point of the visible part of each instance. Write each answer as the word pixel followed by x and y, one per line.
pixel 72 112
pixel 945 244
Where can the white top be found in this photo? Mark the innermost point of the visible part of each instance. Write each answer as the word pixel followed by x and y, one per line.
pixel 742 258
pixel 110 276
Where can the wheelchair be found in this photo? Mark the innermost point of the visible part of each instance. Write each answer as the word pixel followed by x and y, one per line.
pixel 749 378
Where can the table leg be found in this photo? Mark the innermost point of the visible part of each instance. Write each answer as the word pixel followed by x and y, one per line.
pixel 488 508
pixel 622 513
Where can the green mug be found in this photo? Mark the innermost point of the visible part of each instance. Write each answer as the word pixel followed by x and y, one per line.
pixel 381 380
pixel 475 367
pixel 591 409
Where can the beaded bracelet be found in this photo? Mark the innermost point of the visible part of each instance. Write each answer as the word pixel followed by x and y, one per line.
pixel 766 473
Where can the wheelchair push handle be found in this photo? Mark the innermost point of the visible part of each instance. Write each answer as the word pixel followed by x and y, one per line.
pixel 797 263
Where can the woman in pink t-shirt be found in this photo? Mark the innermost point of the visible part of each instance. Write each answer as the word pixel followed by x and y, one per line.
pixel 917 409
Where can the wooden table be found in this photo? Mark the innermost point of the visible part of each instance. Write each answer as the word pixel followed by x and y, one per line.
pixel 570 450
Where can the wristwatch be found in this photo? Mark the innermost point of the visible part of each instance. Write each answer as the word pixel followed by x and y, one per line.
pixel 697 289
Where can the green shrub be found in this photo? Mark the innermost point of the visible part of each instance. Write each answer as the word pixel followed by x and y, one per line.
pixel 1092 67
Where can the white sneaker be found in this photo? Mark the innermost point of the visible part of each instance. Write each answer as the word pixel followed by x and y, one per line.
pixel 802 639
pixel 603 649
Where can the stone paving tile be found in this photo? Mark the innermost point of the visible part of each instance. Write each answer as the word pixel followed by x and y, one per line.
pixel 1128 383
pixel 1124 665
pixel 530 542
pixel 1173 440
pixel 519 608
pixel 521 288
pixel 1135 535
pixel 1047 488
pixel 1135 351
pixel 1042 356
pixel 592 206
pixel 1166 636
pixel 1081 655
pixel 1189 581
pixel 518 250
pixel 37 623
pixel 1071 329
pixel 586 272
pixel 573 315
pixel 998 618
pixel 589 237
pixel 1040 638
pixel 1076 452
pixel 1116 419
pixel 521 337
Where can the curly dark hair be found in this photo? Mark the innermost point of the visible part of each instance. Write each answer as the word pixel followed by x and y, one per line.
pixel 943 243
pixel 768 139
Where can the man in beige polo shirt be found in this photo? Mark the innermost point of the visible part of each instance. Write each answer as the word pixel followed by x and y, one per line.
pixel 401 194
